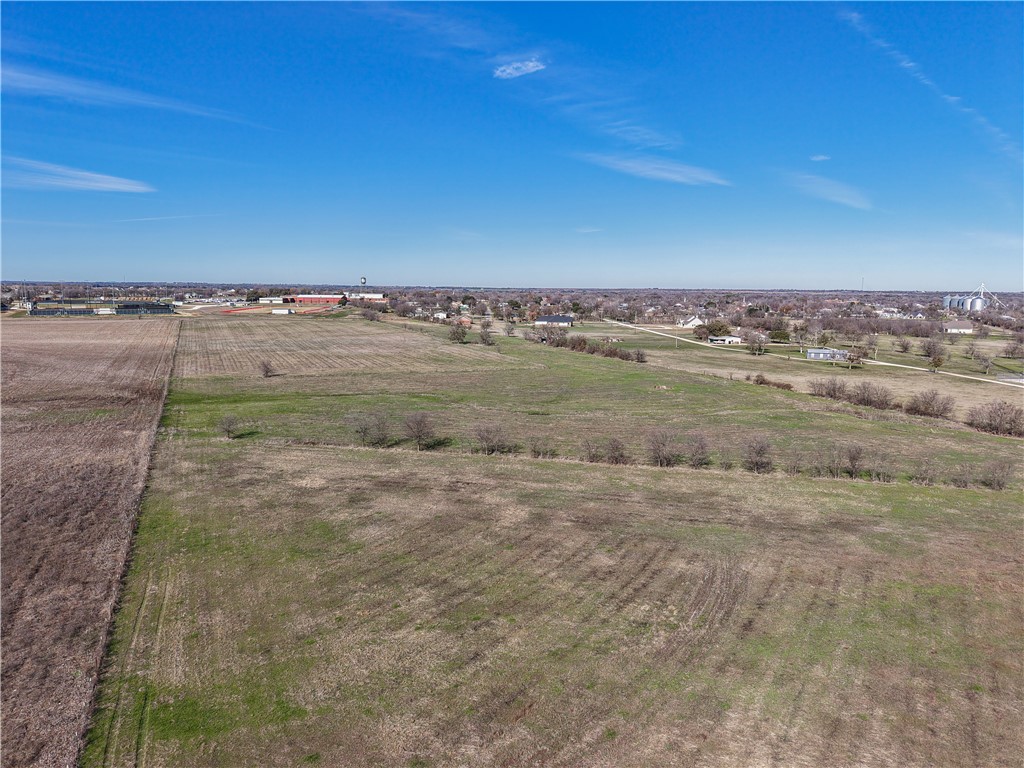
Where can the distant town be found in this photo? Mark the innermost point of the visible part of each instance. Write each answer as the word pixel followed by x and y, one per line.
pixel 907 312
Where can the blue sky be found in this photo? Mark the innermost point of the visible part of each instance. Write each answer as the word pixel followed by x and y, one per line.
pixel 776 145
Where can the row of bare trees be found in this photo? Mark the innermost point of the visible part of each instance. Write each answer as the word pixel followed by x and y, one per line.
pixel 998 417
pixel 558 337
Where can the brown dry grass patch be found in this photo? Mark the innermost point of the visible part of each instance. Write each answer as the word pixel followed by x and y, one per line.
pixel 81 400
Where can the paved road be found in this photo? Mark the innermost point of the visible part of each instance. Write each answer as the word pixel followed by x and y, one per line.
pixel 868 362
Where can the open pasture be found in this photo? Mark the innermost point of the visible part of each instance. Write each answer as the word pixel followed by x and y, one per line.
pixel 555 396
pixel 81 402
pixel 233 346
pixel 785 363
pixel 319 605
pixel 295 599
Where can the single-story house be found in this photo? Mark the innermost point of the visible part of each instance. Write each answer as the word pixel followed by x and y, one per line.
pixel 827 353
pixel 556 321
pixel 958 326
pixel 691 322
pixel 725 340
pixel 464 321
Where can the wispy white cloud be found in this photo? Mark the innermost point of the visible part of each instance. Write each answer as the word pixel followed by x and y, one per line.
pixel 657 168
pixel 640 136
pixel 829 189
pixel 168 218
pixel 34 82
pixel 1001 140
pixel 32 174
pixel 820 158
pixel 518 69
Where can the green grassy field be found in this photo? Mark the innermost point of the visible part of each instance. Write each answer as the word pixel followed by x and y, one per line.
pixel 297 599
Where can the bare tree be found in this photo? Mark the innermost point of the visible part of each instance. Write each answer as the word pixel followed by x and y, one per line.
pixel 230 426
pixel 931 347
pixel 419 428
pixel 615 452
pixel 985 361
pixel 486 337
pixel 509 329
pixel 490 439
pixel 370 314
pixel 999 417
pixel 266 369
pixel 903 344
pixel 661 448
pixel 540 447
pixel 854 459
pixel 373 429
pixel 930 403
pixel 698 450
pixel 997 474
pixel 757 455
pixel 936 361
pixel 592 451
pixel 971 350
pixel 756 342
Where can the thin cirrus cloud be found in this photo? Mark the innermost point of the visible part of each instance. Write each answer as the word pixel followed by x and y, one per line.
pixel 656 168
pixel 1001 140
pixel 820 158
pixel 33 174
pixel 35 82
pixel 518 69
pixel 829 189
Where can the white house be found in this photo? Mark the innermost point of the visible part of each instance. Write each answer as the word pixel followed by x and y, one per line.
pixel 725 340
pixel 827 353
pixel 555 321
pixel 691 322
pixel 958 326
pixel 283 311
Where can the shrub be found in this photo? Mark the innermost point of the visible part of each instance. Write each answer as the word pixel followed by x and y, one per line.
pixel 757 455
pixel 370 314
pixel 266 369
pixel 999 417
pixel 903 344
pixel 615 452
pixel 698 451
pixel 592 452
pixel 639 356
pixel 661 448
pixel 930 403
pixel 873 395
pixel 830 462
pixel 926 473
pixel 726 460
pixel 963 476
pixel 419 428
pixel 457 333
pixel 490 439
pixel 486 337
pixel 540 448
pixel 764 381
pixel 997 474
pixel 854 453
pixel 832 388
pixel 373 429
pixel 230 426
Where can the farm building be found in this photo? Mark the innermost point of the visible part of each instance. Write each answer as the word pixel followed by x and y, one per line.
pixel 958 326
pixel 273 300
pixel 373 298
pixel 827 353
pixel 554 321
pixel 725 340
pixel 282 311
